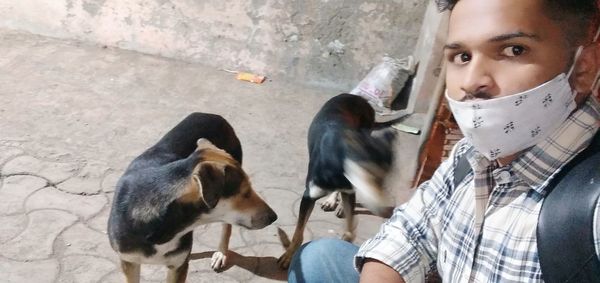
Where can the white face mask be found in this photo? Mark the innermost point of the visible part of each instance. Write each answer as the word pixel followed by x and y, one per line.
pixel 506 125
pixel 502 126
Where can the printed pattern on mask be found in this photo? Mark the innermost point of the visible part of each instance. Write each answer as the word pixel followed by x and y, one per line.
pixel 520 100
pixel 547 100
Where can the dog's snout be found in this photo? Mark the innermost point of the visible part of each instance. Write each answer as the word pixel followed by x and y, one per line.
pixel 264 219
pixel 272 216
pixel 268 217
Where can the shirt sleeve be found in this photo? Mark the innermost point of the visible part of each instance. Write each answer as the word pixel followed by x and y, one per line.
pixel 408 241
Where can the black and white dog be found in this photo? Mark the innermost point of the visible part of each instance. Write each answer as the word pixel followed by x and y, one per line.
pixel 346 157
pixel 192 176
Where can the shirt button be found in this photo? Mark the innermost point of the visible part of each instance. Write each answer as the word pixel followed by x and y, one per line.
pixel 504 176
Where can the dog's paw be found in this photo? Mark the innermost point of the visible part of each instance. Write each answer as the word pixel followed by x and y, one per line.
pixel 339 212
pixel 331 203
pixel 285 259
pixel 218 261
pixel 348 237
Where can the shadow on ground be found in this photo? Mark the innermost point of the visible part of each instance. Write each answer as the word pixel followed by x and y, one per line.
pixel 262 266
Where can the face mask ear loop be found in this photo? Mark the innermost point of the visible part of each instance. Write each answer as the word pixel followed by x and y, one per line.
pixel 596 81
pixel 577 54
pixel 596 84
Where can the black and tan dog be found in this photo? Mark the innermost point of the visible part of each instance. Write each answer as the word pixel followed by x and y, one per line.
pixel 192 176
pixel 346 157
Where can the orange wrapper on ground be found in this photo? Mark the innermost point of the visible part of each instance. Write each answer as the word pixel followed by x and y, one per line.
pixel 250 78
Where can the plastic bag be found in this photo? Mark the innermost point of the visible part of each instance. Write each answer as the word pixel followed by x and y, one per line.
pixel 383 83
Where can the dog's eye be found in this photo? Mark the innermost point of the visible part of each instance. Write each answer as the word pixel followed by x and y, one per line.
pixel 247 194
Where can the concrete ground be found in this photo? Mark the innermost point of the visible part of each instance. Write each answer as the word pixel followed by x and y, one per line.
pixel 74 115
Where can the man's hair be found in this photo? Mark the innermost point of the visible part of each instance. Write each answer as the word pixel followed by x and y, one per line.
pixel 579 18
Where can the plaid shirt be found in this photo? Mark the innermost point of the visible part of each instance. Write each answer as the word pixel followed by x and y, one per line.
pixel 483 230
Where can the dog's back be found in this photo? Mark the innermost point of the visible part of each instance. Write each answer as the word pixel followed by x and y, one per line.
pixel 344 111
pixel 180 141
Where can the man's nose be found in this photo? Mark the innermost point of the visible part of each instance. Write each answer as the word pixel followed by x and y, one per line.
pixel 477 77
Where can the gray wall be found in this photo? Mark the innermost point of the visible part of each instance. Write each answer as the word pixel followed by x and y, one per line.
pixel 325 42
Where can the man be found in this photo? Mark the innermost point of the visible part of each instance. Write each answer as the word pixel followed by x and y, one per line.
pixel 519 78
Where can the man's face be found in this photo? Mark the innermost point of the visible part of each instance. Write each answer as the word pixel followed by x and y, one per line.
pixel 502 47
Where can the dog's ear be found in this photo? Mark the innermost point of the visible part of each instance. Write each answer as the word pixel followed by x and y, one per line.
pixel 203 143
pixel 233 180
pixel 211 178
pixel 191 192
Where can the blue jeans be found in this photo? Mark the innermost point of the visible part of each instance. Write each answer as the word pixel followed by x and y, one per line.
pixel 324 260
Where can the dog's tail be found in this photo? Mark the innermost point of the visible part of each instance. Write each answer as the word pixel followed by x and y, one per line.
pixel 369 192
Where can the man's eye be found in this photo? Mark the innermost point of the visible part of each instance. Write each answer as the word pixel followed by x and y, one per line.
pixel 513 51
pixel 461 58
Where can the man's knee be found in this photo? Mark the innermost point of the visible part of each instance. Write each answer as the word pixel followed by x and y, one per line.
pixel 318 248
pixel 324 260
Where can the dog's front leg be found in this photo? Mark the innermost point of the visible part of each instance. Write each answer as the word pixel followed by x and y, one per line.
pixel 349 202
pixel 219 258
pixel 131 271
pixel 306 206
pixel 178 274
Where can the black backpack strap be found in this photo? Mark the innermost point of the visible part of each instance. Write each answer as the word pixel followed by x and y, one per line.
pixel 462 168
pixel 565 231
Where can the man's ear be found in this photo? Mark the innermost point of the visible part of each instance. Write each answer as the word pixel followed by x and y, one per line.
pixel 211 179
pixel 586 69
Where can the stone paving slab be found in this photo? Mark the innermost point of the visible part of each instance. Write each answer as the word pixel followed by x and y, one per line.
pixel 74 116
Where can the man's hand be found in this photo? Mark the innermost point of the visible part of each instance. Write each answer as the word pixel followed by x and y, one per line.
pixel 375 271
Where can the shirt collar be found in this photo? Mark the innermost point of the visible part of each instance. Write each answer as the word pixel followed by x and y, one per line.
pixel 538 165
